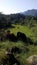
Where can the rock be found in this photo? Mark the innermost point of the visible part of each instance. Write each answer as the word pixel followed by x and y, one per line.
pixel 32 60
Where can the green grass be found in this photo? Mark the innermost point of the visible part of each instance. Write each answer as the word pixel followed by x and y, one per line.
pixel 21 28
pixel 22 56
pixel 30 32
pixel 32 48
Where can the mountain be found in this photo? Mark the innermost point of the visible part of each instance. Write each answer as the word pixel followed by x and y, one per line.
pixel 32 12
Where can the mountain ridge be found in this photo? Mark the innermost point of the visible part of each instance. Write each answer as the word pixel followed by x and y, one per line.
pixel 32 12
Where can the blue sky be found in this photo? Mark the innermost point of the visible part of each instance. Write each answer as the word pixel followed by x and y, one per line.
pixel 15 6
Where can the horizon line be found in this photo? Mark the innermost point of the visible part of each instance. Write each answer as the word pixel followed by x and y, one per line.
pixel 16 12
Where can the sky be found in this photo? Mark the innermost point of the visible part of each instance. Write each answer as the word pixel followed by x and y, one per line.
pixel 16 6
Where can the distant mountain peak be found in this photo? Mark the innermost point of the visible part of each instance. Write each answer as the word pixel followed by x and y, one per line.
pixel 32 12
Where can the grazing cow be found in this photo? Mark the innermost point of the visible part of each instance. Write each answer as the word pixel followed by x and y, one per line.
pixel 11 36
pixel 22 36
pixel 14 38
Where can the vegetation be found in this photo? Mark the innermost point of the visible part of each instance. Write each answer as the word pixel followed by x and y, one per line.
pixel 12 24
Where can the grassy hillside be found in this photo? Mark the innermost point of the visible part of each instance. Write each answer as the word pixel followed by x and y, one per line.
pixel 18 23
pixel 30 32
pixel 23 55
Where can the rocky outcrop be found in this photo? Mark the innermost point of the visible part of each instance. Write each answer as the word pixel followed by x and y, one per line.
pixel 32 60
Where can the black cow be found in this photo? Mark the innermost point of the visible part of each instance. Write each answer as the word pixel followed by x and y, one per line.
pixel 21 36
pixel 11 36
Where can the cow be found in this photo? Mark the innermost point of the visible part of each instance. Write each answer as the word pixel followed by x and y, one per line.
pixel 21 36
pixel 11 36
